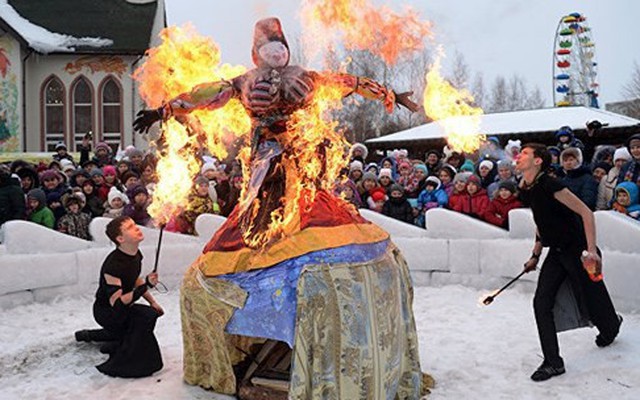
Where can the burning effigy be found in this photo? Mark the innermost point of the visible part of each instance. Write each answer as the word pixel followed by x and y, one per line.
pixel 296 295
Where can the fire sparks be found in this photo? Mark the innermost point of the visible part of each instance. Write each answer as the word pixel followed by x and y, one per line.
pixel 183 60
pixel 452 108
pixel 362 26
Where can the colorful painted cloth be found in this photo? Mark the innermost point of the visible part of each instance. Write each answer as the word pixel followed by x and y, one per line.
pixel 270 308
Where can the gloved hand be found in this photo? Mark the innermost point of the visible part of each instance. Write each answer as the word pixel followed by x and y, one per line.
pixel 145 119
pixel 404 100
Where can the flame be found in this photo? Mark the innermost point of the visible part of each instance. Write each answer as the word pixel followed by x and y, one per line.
pixel 183 60
pixel 453 109
pixel 362 26
pixel 317 152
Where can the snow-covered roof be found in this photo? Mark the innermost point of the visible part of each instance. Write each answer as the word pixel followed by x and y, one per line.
pixel 42 40
pixel 519 122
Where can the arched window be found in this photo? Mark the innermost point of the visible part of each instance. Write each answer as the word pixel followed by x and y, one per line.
pixel 82 119
pixel 111 96
pixel 53 113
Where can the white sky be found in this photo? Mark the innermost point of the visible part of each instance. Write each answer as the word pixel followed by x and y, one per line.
pixel 496 37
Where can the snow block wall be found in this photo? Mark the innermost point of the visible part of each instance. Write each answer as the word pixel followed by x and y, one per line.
pixel 37 264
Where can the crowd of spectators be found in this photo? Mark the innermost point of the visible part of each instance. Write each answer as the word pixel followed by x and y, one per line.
pixel 66 195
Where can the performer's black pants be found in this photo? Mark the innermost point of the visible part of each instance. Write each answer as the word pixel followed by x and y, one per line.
pixel 561 264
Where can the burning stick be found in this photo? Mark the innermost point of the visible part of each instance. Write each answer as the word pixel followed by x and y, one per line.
pixel 489 299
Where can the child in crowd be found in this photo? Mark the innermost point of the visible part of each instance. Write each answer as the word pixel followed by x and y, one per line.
pixel 28 179
pixel 446 175
pixel 459 199
pixel 116 200
pixel 130 179
pixel 421 173
pixel 432 161
pixel 199 203
pixel 608 184
pixel 99 188
pixel 377 199
pixel 358 152
pixel 385 178
pixel 39 212
pixel 137 207
pixel 630 172
pixel 397 206
pixel 233 194
pixel 505 173
pixel 368 183
pixel 373 168
pixel 74 222
pixel 487 173
pixel 600 170
pixel 61 153
pixel 406 177
pixel 355 171
pixel 578 177
pixel 478 199
pixel 55 205
pixel 94 204
pixel 52 182
pixel 498 210
pixel 433 196
pixel 627 200
pixel 122 167
pixel 78 178
pixel 348 191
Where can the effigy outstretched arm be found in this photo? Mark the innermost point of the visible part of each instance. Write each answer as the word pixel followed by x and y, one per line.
pixel 370 89
pixel 206 96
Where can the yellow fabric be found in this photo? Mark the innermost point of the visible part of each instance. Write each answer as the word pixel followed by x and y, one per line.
pixel 216 263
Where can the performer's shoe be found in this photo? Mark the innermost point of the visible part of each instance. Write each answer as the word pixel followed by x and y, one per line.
pixel 602 341
pixel 83 336
pixel 547 371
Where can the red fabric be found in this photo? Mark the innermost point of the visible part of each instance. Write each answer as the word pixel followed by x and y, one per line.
pixel 228 237
pixel 479 203
pixel 460 202
pixel 498 210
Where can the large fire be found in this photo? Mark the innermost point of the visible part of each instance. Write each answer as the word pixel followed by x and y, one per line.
pixel 183 60
pixel 452 108
pixel 359 25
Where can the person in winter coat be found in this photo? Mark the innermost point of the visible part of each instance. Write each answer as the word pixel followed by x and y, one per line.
pixel 459 199
pixel 390 164
pixel 578 177
pixel 199 203
pixel 12 202
pixel 358 152
pixel 377 199
pixel 52 182
pixel 505 173
pixel 61 153
pixel 432 161
pixel 137 207
pixel 566 138
pixel 127 327
pixel 40 213
pixel 397 207
pixel 385 179
pixel 373 168
pixel 406 176
pixel 116 200
pixel 627 200
pixel 478 199
pixel 630 172
pixel 446 175
pixel 487 172
pixel 29 179
pixel 356 171
pixel 600 170
pixel 348 191
pixel 94 205
pixel 421 173
pixel 608 183
pixel 74 222
pixel 54 202
pixel 102 154
pixel 433 196
pixel 498 210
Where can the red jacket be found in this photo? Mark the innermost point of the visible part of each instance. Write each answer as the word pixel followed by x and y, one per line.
pixel 497 212
pixel 474 206
pixel 460 202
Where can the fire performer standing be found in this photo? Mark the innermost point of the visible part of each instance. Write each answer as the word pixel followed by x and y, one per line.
pixel 567 226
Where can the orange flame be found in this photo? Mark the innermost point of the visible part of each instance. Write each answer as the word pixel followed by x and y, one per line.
pixel 183 60
pixel 451 108
pixel 317 152
pixel 362 26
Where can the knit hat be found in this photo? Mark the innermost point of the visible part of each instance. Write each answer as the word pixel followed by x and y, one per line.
pixel 385 172
pixel 200 180
pixel 404 164
pixel 509 185
pixel 96 172
pixel 505 164
pixel 61 146
pixel 109 170
pixel 355 166
pixel 89 162
pixel 68 167
pixel 603 165
pixel 621 154
pixel 103 146
pixel 474 179
pixel 209 166
pixel 48 175
pixel 372 165
pixel 135 153
pixel 564 131
pixel 54 163
pixel 461 177
pixel 572 152
pixel 396 187
pixel 421 167
pixel 487 164
pixel 53 197
pixel 632 138
pixel 114 192
pixel 378 194
pixel 467 166
pixel 64 162
pixel 434 181
pixel 38 194
pixel 136 190
pixel 429 152
pixel 369 175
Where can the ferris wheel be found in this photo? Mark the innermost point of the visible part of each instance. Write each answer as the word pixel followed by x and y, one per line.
pixel 574 63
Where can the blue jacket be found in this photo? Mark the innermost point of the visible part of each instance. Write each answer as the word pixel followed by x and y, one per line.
pixel 433 199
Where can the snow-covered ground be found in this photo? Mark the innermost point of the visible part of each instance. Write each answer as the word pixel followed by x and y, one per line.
pixel 473 352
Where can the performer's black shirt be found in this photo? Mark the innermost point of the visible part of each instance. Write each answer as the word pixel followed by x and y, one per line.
pixel 558 226
pixel 120 265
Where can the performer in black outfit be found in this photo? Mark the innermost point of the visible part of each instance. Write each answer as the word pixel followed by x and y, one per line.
pixel 128 327
pixel 567 226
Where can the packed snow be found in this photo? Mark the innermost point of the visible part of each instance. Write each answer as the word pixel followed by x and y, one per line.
pixel 474 352
pixel 42 40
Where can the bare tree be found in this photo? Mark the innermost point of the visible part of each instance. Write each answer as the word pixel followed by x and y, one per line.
pixel 477 91
pixel 632 92
pixel 498 97
pixel 535 100
pixel 459 78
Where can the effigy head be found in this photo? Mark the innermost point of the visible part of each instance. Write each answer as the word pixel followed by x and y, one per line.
pixel 270 47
